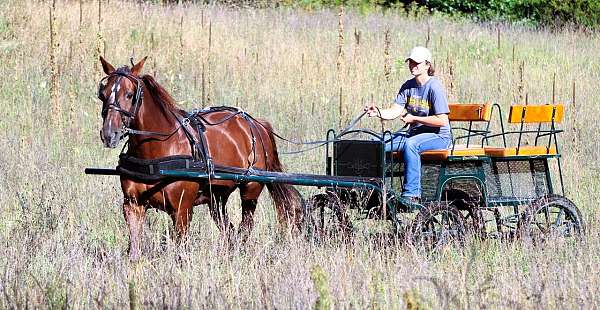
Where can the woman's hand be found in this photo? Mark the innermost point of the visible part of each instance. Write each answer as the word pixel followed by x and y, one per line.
pixel 409 118
pixel 371 110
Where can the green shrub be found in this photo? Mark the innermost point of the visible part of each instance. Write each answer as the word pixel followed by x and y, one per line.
pixel 553 13
pixel 542 12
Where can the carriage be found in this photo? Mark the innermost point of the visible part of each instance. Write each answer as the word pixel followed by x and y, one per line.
pixel 480 187
pixel 493 185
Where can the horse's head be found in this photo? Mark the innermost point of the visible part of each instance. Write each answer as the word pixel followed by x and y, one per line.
pixel 121 94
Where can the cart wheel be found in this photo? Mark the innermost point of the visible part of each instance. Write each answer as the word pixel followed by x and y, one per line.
pixel 326 217
pixel 551 216
pixel 437 225
pixel 469 207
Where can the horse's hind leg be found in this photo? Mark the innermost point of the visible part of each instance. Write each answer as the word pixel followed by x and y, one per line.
pixel 247 224
pixel 249 194
pixel 135 215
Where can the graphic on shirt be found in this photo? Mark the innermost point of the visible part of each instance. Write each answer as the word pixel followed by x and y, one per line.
pixel 417 106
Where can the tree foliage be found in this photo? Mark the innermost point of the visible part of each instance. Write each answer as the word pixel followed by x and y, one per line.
pixel 543 12
pixel 553 13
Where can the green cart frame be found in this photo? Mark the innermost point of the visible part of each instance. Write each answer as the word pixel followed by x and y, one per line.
pixel 485 195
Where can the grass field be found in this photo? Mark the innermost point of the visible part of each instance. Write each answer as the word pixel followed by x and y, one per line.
pixel 62 234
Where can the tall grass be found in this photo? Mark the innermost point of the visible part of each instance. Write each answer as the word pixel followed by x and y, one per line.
pixel 64 239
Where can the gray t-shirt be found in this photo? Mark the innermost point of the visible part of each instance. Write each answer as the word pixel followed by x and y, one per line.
pixel 424 100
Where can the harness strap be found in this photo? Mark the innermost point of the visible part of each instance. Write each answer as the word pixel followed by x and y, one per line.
pixel 200 147
pixel 154 133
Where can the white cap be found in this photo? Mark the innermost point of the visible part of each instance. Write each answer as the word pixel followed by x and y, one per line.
pixel 419 54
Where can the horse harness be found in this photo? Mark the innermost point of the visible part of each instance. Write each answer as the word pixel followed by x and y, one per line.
pixel 113 102
pixel 148 170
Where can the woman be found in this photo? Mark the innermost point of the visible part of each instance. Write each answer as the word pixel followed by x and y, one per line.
pixel 421 103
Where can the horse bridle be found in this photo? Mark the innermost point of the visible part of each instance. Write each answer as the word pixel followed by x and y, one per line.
pixel 126 116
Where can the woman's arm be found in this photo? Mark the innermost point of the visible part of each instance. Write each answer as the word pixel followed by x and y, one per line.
pixel 438 120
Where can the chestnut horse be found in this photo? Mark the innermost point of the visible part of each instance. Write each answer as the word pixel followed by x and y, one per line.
pixel 138 107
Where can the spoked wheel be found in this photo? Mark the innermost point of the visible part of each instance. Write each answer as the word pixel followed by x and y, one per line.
pixel 389 222
pixel 551 216
pixel 437 225
pixel 469 207
pixel 326 217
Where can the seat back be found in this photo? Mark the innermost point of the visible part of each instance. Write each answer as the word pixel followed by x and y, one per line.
pixel 545 116
pixel 470 112
pixel 549 113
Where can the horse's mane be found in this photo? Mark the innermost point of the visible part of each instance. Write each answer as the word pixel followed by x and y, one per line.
pixel 160 95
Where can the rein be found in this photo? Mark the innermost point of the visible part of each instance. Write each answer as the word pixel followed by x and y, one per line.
pixel 320 143
pixel 184 122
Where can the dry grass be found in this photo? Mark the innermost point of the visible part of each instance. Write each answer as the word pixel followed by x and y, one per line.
pixel 62 233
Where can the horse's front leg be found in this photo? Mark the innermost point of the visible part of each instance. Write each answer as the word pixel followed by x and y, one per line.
pixel 218 211
pixel 135 214
pixel 181 221
pixel 180 198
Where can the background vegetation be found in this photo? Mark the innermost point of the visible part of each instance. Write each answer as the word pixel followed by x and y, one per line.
pixel 548 13
pixel 552 14
pixel 62 233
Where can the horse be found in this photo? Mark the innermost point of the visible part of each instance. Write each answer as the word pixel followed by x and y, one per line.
pixel 137 107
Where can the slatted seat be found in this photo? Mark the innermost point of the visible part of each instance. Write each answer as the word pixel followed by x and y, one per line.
pixel 461 112
pixel 459 151
pixel 530 114
pixel 522 151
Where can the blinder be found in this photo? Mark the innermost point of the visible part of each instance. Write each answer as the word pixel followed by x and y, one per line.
pixel 101 86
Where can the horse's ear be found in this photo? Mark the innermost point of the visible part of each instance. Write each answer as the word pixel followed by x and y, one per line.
pixel 138 67
pixel 108 68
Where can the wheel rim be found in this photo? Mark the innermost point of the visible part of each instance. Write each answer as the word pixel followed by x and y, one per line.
pixel 327 216
pixel 439 228
pixel 554 219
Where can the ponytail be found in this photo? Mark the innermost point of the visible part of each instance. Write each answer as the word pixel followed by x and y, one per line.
pixel 431 70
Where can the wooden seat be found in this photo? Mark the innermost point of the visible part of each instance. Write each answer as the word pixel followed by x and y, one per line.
pixel 458 151
pixel 536 113
pixel 529 150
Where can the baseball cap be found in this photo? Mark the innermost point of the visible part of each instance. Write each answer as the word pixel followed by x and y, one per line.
pixel 419 54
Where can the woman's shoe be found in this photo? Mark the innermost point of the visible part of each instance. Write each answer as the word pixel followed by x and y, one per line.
pixel 410 203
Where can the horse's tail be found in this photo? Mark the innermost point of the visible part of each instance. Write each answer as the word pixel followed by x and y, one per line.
pixel 288 201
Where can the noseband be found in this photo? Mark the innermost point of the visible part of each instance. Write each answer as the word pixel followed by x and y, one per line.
pixel 113 102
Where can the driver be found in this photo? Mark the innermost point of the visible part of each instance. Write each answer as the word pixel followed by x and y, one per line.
pixel 422 104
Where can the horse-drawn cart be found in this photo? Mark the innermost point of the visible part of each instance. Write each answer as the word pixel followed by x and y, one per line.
pixel 477 187
pixel 488 191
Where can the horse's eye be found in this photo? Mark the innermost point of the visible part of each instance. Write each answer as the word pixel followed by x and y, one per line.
pixel 129 96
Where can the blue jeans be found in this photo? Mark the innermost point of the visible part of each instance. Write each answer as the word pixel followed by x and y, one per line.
pixel 411 148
